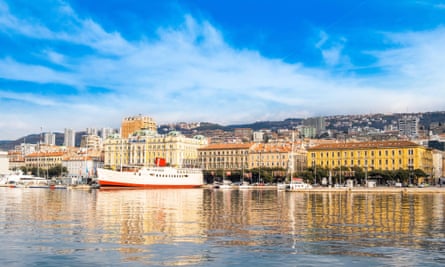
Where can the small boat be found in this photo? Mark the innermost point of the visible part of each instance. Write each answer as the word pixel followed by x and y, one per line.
pixel 297 184
pixel 245 185
pixel 18 179
pixel 227 184
pixel 281 186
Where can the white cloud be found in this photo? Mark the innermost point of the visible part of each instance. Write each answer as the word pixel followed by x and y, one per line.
pixel 189 73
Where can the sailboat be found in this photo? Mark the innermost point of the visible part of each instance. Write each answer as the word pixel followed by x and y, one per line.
pixel 296 184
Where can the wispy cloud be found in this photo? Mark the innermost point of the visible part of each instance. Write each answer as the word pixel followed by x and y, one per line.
pixel 189 72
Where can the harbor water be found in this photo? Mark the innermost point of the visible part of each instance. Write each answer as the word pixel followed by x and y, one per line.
pixel 216 227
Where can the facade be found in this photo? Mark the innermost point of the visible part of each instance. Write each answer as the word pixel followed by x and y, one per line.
pixel 225 156
pixel 80 168
pixel 438 159
pixel 91 141
pixel 44 160
pixel 144 146
pixel 258 136
pixel 49 139
pixel 307 131
pixel 69 138
pixel 409 126
pixel 382 155
pixel 135 123
pixel 105 132
pixel 4 162
pixel 317 122
pixel 278 156
pixel 250 156
pixel 245 134
pixel 16 159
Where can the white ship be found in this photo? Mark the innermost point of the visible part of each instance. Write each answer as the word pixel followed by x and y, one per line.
pixel 154 177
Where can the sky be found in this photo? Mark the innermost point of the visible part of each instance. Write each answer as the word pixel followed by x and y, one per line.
pixel 88 64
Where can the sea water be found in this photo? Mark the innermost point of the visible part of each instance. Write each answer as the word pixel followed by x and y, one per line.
pixel 215 227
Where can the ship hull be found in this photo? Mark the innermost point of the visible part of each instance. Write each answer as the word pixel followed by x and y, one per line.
pixel 157 177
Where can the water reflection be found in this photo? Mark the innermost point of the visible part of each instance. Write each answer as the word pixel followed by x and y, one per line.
pixel 220 227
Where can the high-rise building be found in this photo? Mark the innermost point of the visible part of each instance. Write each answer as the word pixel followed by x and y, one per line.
pixel 105 132
pixel 317 122
pixel 70 138
pixel 135 123
pixel 409 126
pixel 49 138
pixel 91 131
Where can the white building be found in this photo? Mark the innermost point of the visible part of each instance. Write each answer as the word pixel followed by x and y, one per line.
pixel 49 139
pixel 81 168
pixel 258 136
pixel 107 132
pixel 4 162
pixel 409 126
pixel 70 138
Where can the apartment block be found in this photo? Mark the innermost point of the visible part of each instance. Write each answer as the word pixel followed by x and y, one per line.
pixel 69 138
pixel 132 124
pixel 381 155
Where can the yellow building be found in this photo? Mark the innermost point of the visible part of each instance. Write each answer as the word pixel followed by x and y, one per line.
pixel 382 155
pixel 131 124
pixel 144 146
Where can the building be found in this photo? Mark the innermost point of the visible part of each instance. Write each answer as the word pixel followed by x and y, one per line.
pixel 91 141
pixel 16 159
pixel 258 136
pixel 44 160
pixel 144 146
pixel 438 159
pixel 105 132
pixel 81 168
pixel 49 139
pixel 307 131
pixel 277 156
pixel 245 134
pixel 224 156
pixel 318 123
pixel 409 126
pixel 370 156
pixel 4 162
pixel 135 123
pixel 69 138
pixel 92 131
pixel 246 157
pixel 436 144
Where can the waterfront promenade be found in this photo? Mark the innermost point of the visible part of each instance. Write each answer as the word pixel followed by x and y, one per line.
pixel 379 189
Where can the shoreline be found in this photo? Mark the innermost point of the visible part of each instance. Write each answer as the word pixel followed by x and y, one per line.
pixel 429 189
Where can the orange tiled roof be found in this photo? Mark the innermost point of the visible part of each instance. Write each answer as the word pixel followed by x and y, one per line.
pixel 226 146
pixel 365 145
pixel 270 148
pixel 46 154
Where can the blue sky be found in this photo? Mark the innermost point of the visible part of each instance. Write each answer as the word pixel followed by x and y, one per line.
pixel 81 63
